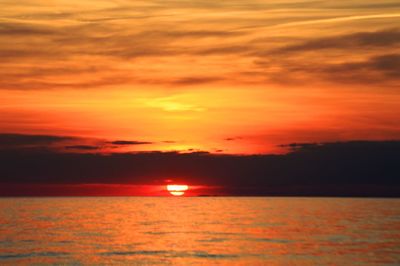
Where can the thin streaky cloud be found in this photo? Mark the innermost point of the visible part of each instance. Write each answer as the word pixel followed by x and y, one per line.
pixel 330 20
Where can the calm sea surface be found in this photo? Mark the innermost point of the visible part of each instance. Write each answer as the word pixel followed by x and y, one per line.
pixel 199 231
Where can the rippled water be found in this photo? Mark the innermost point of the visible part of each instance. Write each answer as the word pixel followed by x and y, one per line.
pixel 200 231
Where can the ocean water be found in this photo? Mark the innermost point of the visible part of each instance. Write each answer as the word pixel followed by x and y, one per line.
pixel 199 231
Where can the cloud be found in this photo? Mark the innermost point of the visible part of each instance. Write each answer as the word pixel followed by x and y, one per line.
pixel 39 55
pixel 13 140
pixel 300 146
pixel 350 167
pixel 38 83
pixel 339 19
pixel 233 138
pixel 22 142
pixel 23 30
pixel 377 39
pixel 41 50
pixel 169 141
pixel 193 33
pixel 45 56
pixel 188 81
pixel 130 142
pixel 380 69
pixel 82 147
pixel 84 39
pixel 377 69
pixel 225 50
pixel 365 5
pixel 358 58
pixel 388 64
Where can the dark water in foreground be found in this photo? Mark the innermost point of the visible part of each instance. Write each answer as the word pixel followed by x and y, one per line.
pixel 200 231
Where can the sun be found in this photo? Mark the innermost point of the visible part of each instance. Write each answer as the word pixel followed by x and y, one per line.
pixel 177 190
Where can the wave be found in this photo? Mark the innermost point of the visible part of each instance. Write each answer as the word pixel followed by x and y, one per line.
pixel 171 254
pixel 32 254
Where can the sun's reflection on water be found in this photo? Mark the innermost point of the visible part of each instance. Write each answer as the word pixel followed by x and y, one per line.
pixel 199 231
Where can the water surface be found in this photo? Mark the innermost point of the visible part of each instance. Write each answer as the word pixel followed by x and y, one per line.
pixel 199 231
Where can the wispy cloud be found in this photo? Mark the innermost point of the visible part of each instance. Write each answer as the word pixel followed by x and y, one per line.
pixel 82 147
pixel 380 69
pixel 337 19
pixel 130 142
pixel 359 40
pixel 12 140
pixel 15 142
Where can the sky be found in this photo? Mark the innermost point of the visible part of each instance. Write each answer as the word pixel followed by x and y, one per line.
pixel 230 78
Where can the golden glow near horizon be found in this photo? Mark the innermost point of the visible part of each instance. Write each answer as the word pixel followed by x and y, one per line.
pixel 177 190
pixel 230 77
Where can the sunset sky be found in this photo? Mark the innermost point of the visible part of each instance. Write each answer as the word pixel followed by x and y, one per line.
pixel 225 77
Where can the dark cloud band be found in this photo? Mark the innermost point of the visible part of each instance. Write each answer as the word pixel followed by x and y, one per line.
pixel 312 167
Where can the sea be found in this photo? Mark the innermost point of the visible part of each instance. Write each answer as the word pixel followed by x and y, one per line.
pixel 199 231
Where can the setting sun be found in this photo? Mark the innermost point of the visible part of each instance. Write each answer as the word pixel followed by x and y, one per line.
pixel 177 190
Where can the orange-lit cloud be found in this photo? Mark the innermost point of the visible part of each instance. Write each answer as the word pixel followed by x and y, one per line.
pixel 187 75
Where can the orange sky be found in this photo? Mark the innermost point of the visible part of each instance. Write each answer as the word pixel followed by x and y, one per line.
pixel 235 77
